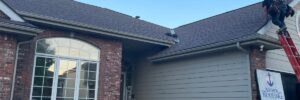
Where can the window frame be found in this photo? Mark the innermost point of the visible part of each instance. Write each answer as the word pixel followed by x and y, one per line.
pixel 58 58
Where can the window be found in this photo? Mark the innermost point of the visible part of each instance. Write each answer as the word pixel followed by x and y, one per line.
pixel 65 69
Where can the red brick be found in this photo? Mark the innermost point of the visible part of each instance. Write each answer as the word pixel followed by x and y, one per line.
pixel 7 55
pixel 257 61
pixel 110 68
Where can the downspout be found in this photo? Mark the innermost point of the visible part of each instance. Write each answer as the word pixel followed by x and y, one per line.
pixel 15 68
pixel 238 45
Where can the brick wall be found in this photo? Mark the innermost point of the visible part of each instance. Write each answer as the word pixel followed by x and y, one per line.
pixel 23 72
pixel 257 61
pixel 7 58
pixel 110 65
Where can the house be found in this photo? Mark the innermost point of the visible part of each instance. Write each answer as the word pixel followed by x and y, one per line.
pixel 67 50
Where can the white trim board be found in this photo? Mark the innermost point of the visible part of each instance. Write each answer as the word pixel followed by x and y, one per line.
pixel 9 12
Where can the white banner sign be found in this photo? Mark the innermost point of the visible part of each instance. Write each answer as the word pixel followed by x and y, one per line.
pixel 270 85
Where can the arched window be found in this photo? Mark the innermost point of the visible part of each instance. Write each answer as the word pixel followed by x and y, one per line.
pixel 67 48
pixel 65 69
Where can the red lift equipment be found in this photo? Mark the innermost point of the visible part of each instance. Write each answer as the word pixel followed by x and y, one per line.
pixel 291 51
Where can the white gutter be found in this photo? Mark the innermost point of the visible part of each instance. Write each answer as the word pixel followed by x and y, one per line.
pixel 15 68
pixel 241 48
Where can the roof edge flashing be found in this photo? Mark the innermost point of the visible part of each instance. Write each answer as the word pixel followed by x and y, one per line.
pixel 269 45
pixel 93 29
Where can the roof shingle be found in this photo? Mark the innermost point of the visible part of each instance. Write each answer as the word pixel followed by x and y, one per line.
pixel 231 25
pixel 90 15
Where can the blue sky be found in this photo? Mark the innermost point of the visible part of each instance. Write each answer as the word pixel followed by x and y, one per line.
pixel 171 13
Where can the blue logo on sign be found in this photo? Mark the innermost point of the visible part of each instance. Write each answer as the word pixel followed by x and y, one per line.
pixel 269 81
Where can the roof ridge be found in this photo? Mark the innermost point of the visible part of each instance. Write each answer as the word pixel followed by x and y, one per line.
pixel 217 15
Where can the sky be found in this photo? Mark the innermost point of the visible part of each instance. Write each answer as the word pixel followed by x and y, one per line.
pixel 171 13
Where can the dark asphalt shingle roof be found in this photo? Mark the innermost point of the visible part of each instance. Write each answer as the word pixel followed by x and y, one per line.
pixel 91 15
pixel 25 24
pixel 231 25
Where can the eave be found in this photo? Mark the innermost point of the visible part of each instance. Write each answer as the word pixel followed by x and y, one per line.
pixel 19 29
pixel 93 29
pixel 255 40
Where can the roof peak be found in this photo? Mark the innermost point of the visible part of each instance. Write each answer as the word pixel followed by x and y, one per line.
pixel 216 15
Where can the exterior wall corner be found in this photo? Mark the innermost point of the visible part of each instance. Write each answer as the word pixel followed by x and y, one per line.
pixel 257 61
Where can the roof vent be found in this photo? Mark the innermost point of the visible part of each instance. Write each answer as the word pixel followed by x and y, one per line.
pixel 177 40
pixel 172 33
pixel 137 17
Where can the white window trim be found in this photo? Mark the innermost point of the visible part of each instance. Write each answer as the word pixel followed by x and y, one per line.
pixel 55 78
pixel 9 12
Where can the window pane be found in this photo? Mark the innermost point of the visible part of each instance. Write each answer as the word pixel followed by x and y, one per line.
pixel 61 83
pixel 91 94
pixel 40 61
pixel 48 82
pixel 94 55
pixel 66 66
pixel 84 66
pixel 84 75
pixel 83 84
pixel 60 92
pixel 45 46
pixel 70 93
pixel 38 81
pixel 71 83
pixel 74 52
pixel 37 91
pixel 49 72
pixel 91 84
pixel 41 46
pixel 83 93
pixel 62 51
pixel 39 71
pixel 50 62
pixel 71 74
pixel 47 91
pixel 84 54
pixel 92 76
pixel 93 67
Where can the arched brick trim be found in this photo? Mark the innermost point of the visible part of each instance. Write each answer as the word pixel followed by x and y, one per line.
pixel 110 62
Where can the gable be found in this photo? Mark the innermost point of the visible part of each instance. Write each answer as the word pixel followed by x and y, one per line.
pixel 7 12
pixel 239 25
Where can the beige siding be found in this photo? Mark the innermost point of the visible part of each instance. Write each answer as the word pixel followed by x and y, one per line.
pixel 277 59
pixel 219 76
